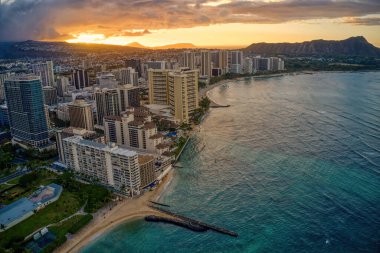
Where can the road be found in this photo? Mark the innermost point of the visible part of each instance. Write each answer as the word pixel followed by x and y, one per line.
pixel 14 175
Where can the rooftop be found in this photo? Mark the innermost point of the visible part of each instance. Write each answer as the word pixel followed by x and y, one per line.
pixel 79 140
pixel 15 211
pixel 100 146
pixel 136 123
pixel 23 78
pixel 112 117
pixel 145 159
pixel 156 136
pixel 149 125
pixel 123 152
pixel 163 145
pixel 77 131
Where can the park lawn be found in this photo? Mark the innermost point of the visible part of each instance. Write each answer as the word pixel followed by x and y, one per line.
pixel 66 205
pixel 4 186
pixel 6 172
pixel 73 197
pixel 14 181
pixel 72 225
pixel 68 226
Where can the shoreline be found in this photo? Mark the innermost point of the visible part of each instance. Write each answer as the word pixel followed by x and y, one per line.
pixel 133 209
pixel 124 211
pixel 205 91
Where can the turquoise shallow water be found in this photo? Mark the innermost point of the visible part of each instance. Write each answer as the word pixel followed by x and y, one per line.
pixel 292 166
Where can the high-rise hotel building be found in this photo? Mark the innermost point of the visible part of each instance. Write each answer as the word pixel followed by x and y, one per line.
pixel 206 63
pixel 219 60
pixel 80 113
pixel 107 103
pixel 135 129
pixel 63 84
pixel 158 86
pixel 50 95
pixel 26 110
pixel 178 89
pixel 188 59
pixel 61 134
pixel 236 62
pixel 80 78
pixel 111 102
pixel 3 76
pixel 109 164
pixel 183 94
pixel 128 96
pixel 45 72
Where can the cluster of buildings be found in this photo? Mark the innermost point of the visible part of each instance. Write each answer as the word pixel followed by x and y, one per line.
pixel 111 115
pixel 111 139
pixel 220 62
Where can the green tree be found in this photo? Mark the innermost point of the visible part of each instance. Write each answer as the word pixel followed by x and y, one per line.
pixel 28 179
pixel 205 103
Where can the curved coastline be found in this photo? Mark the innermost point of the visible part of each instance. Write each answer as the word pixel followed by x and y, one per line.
pixel 205 91
pixel 137 216
pixel 99 227
pixel 138 208
pixel 125 211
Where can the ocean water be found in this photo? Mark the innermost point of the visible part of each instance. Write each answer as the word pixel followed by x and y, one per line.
pixel 292 166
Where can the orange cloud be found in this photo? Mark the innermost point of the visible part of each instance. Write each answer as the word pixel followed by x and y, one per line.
pixel 25 19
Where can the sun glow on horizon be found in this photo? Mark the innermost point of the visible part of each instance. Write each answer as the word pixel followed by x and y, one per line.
pixel 234 34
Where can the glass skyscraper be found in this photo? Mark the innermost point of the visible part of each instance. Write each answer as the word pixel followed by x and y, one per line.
pixel 26 110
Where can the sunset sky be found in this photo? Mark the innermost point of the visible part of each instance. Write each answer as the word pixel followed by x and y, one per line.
pixel 201 22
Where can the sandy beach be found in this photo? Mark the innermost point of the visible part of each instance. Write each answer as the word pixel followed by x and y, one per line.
pixel 204 91
pixel 106 219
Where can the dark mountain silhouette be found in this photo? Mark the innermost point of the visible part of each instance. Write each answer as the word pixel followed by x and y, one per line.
pixel 354 46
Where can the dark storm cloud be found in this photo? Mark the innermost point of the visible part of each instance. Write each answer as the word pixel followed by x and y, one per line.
pixel 54 19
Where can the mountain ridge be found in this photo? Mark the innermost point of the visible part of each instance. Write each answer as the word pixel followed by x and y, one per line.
pixel 169 46
pixel 353 46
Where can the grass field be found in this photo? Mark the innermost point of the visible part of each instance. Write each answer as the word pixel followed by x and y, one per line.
pixel 67 204
pixel 14 181
pixel 70 226
pixel 4 186
pixel 73 197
